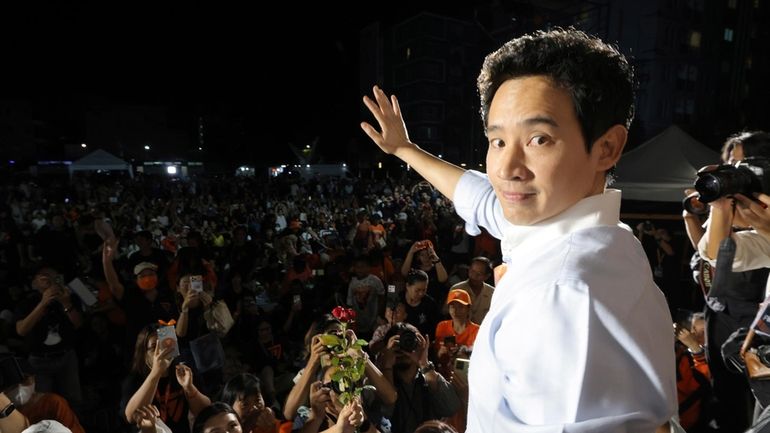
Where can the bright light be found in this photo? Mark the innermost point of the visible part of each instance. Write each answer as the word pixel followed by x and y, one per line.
pixel 171 169
pixel 307 146
pixel 344 165
pixel 146 147
pixel 440 155
pixel 83 145
pixel 307 166
pixel 481 165
pixel 463 164
pixel 379 165
pixel 200 148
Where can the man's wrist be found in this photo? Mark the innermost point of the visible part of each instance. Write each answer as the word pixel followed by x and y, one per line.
pixel 427 367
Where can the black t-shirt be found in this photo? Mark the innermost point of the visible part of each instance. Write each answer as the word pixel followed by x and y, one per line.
pixel 53 333
pixel 424 316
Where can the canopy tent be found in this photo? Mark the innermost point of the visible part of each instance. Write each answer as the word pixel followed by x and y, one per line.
pixel 663 167
pixel 100 160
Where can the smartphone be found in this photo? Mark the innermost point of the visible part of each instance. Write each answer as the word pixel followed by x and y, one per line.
pixel 461 366
pixel 297 299
pixel 10 372
pixel 167 338
pixel 196 283
pixel 82 291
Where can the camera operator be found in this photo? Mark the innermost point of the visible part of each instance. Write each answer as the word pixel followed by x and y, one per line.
pixel 423 393
pixel 733 304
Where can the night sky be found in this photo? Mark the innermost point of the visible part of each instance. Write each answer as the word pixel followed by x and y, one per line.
pixel 287 85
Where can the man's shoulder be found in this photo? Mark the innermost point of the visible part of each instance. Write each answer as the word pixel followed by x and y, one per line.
pixel 461 285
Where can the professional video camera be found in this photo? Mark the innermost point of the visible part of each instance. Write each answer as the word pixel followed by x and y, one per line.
pixel 745 177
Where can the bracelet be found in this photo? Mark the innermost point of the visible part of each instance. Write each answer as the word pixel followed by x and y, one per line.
pixel 7 410
pixel 427 368
pixel 698 352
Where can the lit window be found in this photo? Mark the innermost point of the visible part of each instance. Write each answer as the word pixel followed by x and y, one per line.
pixel 695 39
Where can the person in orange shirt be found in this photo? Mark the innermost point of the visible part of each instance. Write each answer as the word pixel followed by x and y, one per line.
pixel 454 339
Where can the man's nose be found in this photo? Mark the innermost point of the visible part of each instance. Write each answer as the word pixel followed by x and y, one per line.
pixel 512 164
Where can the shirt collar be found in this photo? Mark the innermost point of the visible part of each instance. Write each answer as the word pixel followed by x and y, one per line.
pixel 594 211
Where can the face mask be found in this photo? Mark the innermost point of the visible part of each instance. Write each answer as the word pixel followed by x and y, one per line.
pixel 22 395
pixel 148 282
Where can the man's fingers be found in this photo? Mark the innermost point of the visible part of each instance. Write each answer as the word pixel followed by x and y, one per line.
pixel 396 106
pixel 374 109
pixel 382 100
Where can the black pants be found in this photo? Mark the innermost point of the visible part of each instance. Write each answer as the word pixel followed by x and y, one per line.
pixel 735 403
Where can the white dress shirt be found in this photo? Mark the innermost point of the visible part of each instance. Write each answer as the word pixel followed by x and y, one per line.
pixel 578 338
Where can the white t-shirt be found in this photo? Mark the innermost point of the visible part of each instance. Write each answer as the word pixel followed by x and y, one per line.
pixel 578 337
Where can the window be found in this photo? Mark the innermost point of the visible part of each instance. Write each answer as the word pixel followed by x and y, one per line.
pixel 728 34
pixel 695 39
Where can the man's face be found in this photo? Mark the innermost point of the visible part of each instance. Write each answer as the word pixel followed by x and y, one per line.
pixel 537 160
pixel 477 273
pixel 459 311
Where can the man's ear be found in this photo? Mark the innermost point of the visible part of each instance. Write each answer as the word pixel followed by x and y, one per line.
pixel 608 148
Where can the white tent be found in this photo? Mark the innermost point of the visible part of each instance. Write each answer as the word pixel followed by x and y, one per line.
pixel 663 167
pixel 100 160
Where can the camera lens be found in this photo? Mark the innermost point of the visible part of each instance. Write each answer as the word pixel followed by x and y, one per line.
pixel 407 341
pixel 694 205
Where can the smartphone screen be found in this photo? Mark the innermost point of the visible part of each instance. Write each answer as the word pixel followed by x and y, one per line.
pixel 461 366
pixel 167 338
pixel 196 283
pixel 82 291
pixel 297 299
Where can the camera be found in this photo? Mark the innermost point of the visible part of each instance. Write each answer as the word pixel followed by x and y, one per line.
pixel 407 341
pixel 746 177
pixel 694 205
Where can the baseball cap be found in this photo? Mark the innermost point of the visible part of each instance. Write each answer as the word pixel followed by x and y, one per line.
pixel 459 295
pixel 143 266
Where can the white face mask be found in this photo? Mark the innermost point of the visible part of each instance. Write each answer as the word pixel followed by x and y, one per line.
pixel 22 394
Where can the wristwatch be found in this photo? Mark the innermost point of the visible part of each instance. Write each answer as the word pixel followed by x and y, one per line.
pixel 427 368
pixel 8 410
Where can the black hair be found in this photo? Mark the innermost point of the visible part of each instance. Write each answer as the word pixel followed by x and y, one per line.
pixel 415 276
pixel 754 143
pixel 240 387
pixel 211 411
pixel 596 75
pixel 487 263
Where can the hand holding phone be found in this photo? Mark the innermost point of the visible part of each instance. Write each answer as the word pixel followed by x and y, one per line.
pixel 167 338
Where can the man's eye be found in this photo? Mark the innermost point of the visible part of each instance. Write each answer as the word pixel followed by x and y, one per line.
pixel 497 143
pixel 540 140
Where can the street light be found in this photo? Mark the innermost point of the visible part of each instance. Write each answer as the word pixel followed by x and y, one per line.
pixel 83 145
pixel 146 147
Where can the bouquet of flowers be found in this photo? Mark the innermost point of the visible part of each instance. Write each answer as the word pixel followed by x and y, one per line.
pixel 346 355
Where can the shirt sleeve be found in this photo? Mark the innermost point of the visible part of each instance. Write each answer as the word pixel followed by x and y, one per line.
pixel 582 354
pixel 752 251
pixel 444 399
pixel 476 203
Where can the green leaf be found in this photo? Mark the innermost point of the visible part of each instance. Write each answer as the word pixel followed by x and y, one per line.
pixel 360 343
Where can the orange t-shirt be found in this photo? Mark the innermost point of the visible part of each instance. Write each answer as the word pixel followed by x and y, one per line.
pixel 467 338
pixel 52 406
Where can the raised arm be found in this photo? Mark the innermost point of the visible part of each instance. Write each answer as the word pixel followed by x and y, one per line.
pixel 393 139
pixel 109 250
pixel 719 226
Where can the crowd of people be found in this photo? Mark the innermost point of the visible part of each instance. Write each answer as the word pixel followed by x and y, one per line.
pixel 279 256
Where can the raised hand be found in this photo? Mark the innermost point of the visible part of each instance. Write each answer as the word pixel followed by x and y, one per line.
pixel 184 376
pixel 319 397
pixel 145 416
pixel 393 135
pixel 755 212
